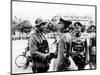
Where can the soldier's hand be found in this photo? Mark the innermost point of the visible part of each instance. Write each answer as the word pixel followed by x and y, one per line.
pixel 50 56
pixel 87 61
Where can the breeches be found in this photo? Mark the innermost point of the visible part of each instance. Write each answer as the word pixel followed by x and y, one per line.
pixel 63 65
pixel 79 61
pixel 93 59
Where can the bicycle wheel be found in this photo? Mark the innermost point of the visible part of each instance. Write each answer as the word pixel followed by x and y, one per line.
pixel 20 61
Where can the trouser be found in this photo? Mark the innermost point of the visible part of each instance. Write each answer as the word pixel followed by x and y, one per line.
pixel 93 61
pixel 40 69
pixel 63 65
pixel 79 61
pixel 39 66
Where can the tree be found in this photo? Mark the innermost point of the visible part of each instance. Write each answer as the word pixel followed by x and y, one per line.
pixel 25 26
pixel 21 26
pixel 14 26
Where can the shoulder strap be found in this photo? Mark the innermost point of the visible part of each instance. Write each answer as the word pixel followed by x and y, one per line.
pixel 70 50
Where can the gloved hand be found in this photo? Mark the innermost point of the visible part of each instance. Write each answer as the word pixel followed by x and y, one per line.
pixel 50 56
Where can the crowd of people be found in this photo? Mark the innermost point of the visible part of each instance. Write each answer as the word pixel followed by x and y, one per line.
pixel 75 42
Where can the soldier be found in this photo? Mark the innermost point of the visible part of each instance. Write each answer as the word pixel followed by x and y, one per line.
pixel 74 45
pixel 92 47
pixel 38 47
pixel 63 45
pixel 79 47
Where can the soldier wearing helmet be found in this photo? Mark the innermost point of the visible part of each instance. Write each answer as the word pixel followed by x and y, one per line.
pixel 39 49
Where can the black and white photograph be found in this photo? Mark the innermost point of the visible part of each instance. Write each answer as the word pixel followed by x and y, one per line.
pixel 52 37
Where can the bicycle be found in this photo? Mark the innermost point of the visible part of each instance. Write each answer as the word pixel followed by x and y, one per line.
pixel 21 60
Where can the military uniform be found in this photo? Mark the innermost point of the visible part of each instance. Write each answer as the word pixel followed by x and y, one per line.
pixel 62 53
pixel 39 50
pixel 92 51
pixel 80 50
pixel 77 47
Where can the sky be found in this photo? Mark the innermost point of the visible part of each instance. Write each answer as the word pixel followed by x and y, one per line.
pixel 31 11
